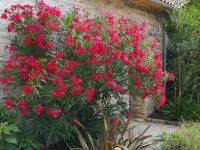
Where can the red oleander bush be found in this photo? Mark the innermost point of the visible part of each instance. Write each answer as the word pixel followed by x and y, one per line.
pixel 64 68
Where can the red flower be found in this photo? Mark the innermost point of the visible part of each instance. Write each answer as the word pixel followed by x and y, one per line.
pixel 37 110
pixel 88 94
pixel 87 36
pixel 23 107
pixel 74 121
pixel 76 90
pixel 4 16
pixel 44 76
pixel 143 26
pixel 57 79
pixel 48 45
pixel 52 25
pixel 75 80
pixel 122 20
pixel 79 51
pixel 11 27
pixel 144 93
pixel 157 74
pixel 161 101
pixel 7 11
pixel 94 60
pixel 8 104
pixel 171 76
pixel 51 67
pixel 15 17
pixel 54 113
pixel 116 54
pixel 114 120
pixel 68 39
pixel 39 40
pixel 26 89
pixel 23 72
pixel 27 41
pixel 117 88
pixel 153 44
pixel 58 55
pixel 97 47
pixel 136 82
pixel 109 82
pixel 62 86
pixel 97 76
pixel 58 93
pixel 107 61
pixel 73 63
pixel 6 79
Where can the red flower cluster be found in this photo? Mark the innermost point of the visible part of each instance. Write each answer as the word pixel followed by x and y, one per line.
pixel 96 76
pixel 60 92
pixel 137 81
pixel 45 12
pixel 51 67
pixel 6 79
pixel 117 88
pixel 54 113
pixel 38 110
pixel 52 25
pixel 109 81
pixel 27 67
pixel 88 94
pixel 114 120
pixel 27 89
pixel 8 104
pixel 76 90
pixel 23 107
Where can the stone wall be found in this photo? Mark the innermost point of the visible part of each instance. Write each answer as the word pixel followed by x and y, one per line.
pixel 127 8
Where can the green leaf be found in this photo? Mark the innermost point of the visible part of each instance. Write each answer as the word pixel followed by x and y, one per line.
pixel 35 145
pixel 14 128
pixel 11 140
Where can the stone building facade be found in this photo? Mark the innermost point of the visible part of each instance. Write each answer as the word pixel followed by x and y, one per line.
pixel 148 11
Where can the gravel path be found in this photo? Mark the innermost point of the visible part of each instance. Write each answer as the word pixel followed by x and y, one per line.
pixel 156 129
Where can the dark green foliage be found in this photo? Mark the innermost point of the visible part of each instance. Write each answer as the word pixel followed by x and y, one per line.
pixel 184 110
pixel 13 135
pixel 8 136
pixel 183 60
pixel 183 51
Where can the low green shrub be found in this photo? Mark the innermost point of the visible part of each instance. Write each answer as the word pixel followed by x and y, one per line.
pixel 181 110
pixel 185 138
pixel 12 137
pixel 8 136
